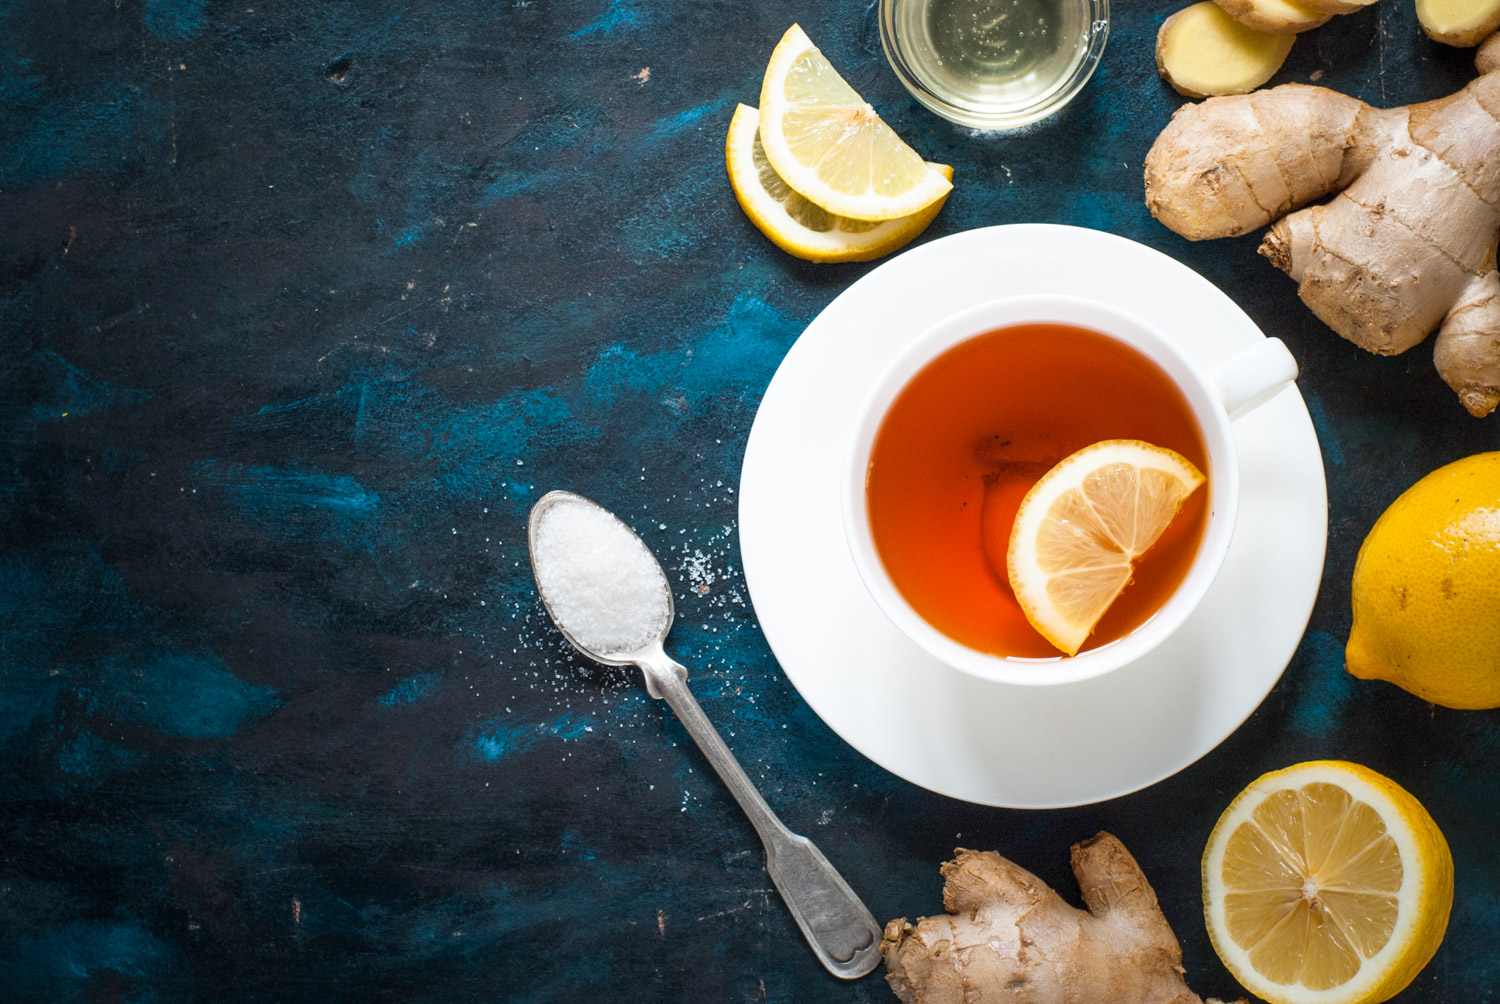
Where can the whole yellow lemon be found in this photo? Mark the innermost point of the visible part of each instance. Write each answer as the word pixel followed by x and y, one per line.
pixel 1427 589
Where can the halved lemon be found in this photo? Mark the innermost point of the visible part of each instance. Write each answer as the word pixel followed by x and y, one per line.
pixel 1326 883
pixel 796 225
pixel 1082 526
pixel 827 143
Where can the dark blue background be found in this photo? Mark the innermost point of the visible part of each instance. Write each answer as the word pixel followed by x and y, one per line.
pixel 304 305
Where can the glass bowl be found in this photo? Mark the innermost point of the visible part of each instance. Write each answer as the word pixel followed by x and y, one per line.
pixel 990 95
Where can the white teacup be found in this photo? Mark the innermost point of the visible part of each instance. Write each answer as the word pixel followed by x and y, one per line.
pixel 1216 397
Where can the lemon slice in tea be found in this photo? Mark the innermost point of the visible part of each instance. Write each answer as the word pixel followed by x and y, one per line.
pixel 1082 526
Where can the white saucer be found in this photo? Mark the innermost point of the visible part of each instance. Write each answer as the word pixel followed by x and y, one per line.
pixel 1020 747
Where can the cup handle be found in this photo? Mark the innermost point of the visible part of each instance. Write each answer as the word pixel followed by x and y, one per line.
pixel 1248 380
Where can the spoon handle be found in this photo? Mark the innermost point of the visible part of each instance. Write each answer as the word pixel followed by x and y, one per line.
pixel 839 927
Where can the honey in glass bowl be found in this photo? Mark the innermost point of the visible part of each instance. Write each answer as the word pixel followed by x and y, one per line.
pixel 994 64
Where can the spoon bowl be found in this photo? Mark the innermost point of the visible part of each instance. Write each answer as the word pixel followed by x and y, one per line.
pixel 533 526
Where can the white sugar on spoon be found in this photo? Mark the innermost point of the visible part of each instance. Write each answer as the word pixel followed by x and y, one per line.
pixel 600 583
pixel 610 599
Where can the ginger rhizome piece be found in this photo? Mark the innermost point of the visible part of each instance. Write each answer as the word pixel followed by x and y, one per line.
pixel 1008 937
pixel 1335 6
pixel 1201 50
pixel 1408 243
pixel 1459 22
pixel 1487 59
pixel 1280 17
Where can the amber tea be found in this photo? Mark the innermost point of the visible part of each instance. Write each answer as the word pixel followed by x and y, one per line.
pixel 969 435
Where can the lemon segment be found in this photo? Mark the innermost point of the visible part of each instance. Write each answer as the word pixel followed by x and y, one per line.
pixel 1081 527
pixel 796 225
pixel 1326 883
pixel 828 145
pixel 1426 589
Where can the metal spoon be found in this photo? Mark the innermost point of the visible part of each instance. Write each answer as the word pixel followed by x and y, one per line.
pixel 841 930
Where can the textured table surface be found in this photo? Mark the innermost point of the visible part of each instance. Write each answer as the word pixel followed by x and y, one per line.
pixel 303 306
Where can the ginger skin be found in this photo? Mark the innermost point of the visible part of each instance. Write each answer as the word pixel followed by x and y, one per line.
pixel 1487 59
pixel 1008 938
pixel 1408 243
pixel 1280 17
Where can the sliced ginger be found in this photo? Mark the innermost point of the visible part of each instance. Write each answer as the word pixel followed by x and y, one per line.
pixel 1463 23
pixel 1335 6
pixel 1201 50
pixel 1280 17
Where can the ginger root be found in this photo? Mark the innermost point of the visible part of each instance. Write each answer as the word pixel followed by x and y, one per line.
pixel 1337 6
pixel 1408 243
pixel 1007 937
pixel 1201 50
pixel 1280 17
pixel 1487 59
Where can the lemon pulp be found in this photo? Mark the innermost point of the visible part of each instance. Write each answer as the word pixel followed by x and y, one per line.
pixel 828 144
pixel 1314 879
pixel 1326 883
pixel 1080 529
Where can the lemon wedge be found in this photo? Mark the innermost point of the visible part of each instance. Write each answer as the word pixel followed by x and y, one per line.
pixel 1082 526
pixel 827 143
pixel 797 226
pixel 1326 883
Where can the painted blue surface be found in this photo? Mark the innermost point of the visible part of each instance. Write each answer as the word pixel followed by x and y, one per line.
pixel 302 308
pixel 173 20
pixel 1325 691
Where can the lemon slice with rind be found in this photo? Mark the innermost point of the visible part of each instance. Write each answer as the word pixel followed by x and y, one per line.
pixel 827 143
pixel 1081 527
pixel 796 225
pixel 1326 883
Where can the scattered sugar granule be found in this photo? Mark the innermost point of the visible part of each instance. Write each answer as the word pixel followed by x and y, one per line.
pixel 600 582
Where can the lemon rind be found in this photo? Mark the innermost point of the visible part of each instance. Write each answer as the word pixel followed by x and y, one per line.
pixel 1420 602
pixel 772 219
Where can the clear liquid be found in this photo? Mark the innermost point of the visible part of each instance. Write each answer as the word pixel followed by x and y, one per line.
pixel 993 55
